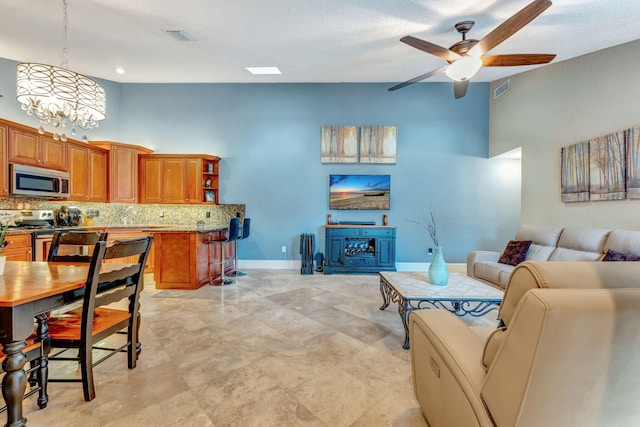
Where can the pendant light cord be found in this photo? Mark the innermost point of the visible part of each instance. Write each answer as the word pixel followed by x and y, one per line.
pixel 64 62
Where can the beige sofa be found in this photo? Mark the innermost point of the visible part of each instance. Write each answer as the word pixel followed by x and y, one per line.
pixel 554 244
pixel 566 356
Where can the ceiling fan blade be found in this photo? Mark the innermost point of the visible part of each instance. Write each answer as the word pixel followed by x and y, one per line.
pixel 460 88
pixel 510 27
pixel 516 59
pixel 434 49
pixel 419 78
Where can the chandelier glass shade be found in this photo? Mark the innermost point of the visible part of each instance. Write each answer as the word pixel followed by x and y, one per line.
pixel 57 95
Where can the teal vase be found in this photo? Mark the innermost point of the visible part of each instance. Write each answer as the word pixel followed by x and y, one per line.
pixel 438 270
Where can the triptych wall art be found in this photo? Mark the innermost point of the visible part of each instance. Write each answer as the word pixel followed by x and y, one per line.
pixel 376 144
pixel 602 168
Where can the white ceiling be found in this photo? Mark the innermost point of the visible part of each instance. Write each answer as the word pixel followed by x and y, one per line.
pixel 309 40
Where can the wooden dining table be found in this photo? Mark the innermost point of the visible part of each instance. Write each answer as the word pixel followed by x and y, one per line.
pixel 27 291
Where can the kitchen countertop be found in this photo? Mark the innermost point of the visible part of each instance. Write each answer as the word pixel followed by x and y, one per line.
pixel 178 228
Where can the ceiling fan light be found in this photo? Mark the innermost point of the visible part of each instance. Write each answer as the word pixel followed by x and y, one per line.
pixel 464 68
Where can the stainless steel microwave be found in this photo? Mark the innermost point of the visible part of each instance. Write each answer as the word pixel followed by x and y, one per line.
pixel 39 182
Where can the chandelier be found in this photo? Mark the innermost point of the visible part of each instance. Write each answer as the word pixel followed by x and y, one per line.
pixel 57 95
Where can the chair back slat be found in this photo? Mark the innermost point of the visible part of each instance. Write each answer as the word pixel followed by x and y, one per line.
pixel 65 245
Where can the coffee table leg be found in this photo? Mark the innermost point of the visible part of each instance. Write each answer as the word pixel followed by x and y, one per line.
pixel 384 291
pixel 404 310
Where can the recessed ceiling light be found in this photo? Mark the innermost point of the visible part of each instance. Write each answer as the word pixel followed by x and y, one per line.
pixel 263 70
pixel 120 70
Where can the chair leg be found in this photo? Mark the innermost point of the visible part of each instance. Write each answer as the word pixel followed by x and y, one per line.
pixel 42 372
pixel 223 278
pixel 236 272
pixel 86 369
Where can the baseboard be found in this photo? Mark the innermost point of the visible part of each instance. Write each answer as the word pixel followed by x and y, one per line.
pixel 295 265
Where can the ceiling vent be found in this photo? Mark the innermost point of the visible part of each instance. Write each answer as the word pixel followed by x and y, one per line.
pixel 181 35
pixel 504 87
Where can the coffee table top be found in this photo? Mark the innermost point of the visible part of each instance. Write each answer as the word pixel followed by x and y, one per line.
pixel 416 286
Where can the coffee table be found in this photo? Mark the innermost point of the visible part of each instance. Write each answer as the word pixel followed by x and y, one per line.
pixel 412 291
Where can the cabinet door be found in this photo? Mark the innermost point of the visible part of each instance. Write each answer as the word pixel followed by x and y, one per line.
pixel 53 153
pixel 23 147
pixel 79 171
pixel 124 174
pixel 97 177
pixel 193 187
pixel 335 247
pixel 151 180
pixel 385 252
pixel 175 182
pixel 4 173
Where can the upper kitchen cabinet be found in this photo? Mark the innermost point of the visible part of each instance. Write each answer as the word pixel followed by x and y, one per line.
pixel 88 173
pixel 28 147
pixel 123 170
pixel 178 178
pixel 4 173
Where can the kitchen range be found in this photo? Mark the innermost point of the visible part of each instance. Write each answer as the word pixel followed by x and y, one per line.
pixel 42 223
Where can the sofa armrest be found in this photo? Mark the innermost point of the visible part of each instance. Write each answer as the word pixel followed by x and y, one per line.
pixel 448 375
pixel 476 256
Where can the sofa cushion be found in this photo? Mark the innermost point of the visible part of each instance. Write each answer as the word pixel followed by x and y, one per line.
pixel 625 241
pixel 612 255
pixel 580 244
pixel 493 272
pixel 515 252
pixel 539 252
pixel 543 236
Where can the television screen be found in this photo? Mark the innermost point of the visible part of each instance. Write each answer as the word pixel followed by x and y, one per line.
pixel 359 191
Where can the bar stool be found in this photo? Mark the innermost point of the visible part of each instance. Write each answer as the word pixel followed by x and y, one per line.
pixel 233 233
pixel 246 224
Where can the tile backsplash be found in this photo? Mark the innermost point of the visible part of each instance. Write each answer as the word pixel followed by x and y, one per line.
pixel 138 214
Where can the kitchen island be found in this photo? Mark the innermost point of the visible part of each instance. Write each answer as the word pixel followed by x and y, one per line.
pixel 184 260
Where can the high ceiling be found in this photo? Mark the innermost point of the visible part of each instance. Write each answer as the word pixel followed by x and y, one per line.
pixel 309 40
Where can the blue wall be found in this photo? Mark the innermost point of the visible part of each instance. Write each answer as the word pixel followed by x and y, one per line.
pixel 268 136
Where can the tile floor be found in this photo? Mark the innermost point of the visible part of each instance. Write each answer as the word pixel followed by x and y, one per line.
pixel 275 349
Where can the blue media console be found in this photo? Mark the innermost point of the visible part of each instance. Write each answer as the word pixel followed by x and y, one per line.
pixel 359 249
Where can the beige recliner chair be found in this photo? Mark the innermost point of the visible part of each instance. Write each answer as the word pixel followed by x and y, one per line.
pixel 568 355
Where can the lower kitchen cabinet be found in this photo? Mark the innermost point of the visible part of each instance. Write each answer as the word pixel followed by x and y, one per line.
pixel 114 234
pixel 18 247
pixel 183 260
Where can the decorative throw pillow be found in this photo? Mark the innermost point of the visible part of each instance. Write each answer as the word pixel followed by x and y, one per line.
pixel 612 255
pixel 515 252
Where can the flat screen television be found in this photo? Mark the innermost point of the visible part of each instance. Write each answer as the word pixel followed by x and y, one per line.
pixel 359 192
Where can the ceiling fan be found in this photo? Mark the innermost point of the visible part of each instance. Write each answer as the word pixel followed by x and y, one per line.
pixel 466 57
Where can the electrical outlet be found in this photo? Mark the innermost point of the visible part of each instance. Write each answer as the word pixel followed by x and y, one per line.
pixel 161 214
pixel 208 215
pixel 284 249
pixel 430 251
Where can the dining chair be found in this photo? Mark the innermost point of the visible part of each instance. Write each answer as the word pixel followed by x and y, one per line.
pixel 84 327
pixel 233 232
pixel 246 227
pixel 74 246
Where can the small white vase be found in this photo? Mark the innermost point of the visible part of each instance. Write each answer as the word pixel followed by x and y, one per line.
pixel 3 261
pixel 438 270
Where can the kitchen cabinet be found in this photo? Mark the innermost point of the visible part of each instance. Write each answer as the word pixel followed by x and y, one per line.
pixel 18 247
pixel 114 234
pixel 359 249
pixel 182 179
pixel 183 260
pixel 88 173
pixel 123 170
pixel 4 172
pixel 28 147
